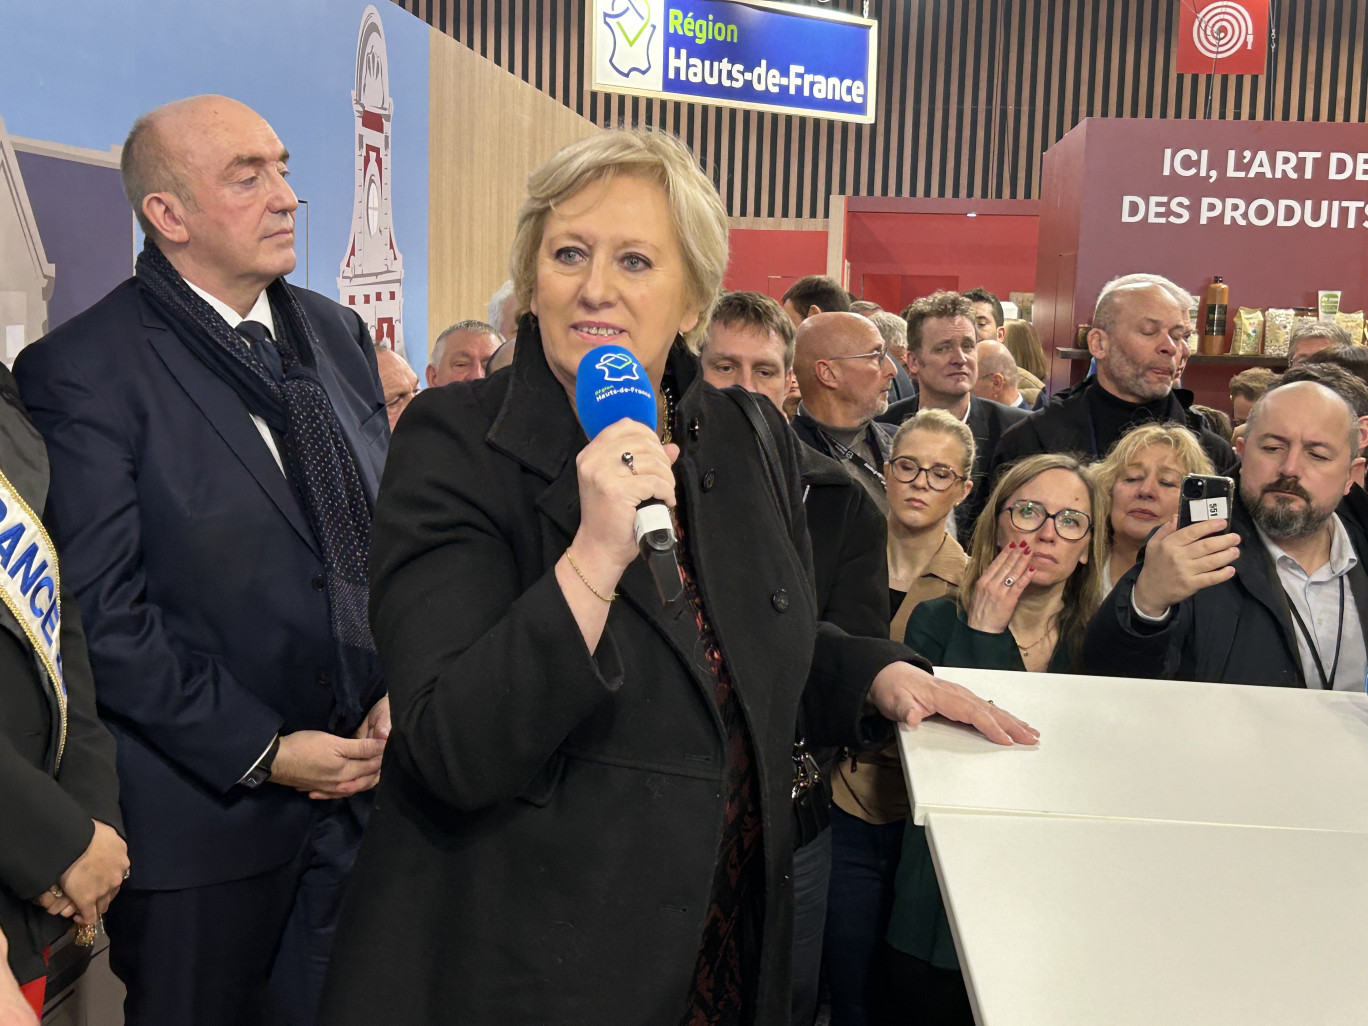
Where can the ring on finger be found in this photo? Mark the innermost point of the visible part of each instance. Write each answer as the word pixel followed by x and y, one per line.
pixel 1008 581
pixel 629 459
pixel 55 891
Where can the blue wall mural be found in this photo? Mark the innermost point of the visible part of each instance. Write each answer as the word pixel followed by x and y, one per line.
pixel 78 73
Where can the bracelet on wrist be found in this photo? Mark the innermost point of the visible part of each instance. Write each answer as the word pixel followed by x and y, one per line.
pixel 580 574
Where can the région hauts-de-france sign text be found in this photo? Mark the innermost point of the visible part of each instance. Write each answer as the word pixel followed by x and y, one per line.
pixel 757 55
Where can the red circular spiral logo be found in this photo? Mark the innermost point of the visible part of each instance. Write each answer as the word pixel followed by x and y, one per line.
pixel 1222 29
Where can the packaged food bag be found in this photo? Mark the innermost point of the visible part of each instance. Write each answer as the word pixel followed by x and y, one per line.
pixel 1352 323
pixel 1277 330
pixel 1249 330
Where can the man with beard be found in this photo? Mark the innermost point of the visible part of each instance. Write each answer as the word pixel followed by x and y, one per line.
pixel 1276 594
pixel 844 372
pixel 1139 329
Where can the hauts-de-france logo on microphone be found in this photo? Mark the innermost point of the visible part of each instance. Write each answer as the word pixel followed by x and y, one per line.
pixel 619 374
pixel 628 42
pixel 618 367
pixel 611 385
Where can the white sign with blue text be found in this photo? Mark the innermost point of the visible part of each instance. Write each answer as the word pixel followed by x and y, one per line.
pixel 756 55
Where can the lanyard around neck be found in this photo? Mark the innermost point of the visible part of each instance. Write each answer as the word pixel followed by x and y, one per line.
pixel 846 452
pixel 1327 683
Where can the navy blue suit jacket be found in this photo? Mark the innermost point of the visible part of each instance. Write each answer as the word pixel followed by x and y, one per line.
pixel 198 576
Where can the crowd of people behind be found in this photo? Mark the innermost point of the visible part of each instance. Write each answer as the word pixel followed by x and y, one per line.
pixel 328 727
pixel 1076 492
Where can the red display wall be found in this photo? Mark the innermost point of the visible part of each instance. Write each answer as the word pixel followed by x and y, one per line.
pixel 770 261
pixel 1277 208
pixel 899 250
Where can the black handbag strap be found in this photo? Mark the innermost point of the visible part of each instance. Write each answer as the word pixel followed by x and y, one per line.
pixel 769 451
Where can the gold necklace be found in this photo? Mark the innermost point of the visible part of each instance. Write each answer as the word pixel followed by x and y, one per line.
pixel 1050 629
pixel 666 400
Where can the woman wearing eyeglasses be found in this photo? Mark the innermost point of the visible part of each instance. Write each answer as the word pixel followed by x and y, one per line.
pixel 926 477
pixel 1033 580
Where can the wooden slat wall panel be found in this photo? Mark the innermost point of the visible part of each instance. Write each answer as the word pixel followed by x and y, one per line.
pixel 970 92
pixel 473 198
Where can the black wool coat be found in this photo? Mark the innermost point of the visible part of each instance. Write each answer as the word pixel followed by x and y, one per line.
pixel 546 826
pixel 1236 632
pixel 849 562
pixel 849 547
pixel 1064 424
pixel 46 809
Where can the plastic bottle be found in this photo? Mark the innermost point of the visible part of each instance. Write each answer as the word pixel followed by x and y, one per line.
pixel 1217 299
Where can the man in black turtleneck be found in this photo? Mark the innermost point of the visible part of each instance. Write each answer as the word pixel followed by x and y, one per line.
pixel 1138 330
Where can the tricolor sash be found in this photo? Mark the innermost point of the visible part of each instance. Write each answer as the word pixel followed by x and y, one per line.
pixel 31 589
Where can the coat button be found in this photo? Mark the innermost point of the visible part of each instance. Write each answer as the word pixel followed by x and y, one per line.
pixel 693 429
pixel 780 600
pixel 324 681
pixel 709 479
pixel 319 582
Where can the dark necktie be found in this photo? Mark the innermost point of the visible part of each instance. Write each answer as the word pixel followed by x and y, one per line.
pixel 264 346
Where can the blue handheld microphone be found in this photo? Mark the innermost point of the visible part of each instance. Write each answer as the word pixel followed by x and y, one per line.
pixel 611 385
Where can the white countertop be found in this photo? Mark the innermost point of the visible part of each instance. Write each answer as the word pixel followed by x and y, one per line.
pixel 1091 922
pixel 1154 750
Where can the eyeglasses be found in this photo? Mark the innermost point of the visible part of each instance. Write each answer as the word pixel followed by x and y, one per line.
pixel 878 355
pixel 938 477
pixel 401 400
pixel 1030 517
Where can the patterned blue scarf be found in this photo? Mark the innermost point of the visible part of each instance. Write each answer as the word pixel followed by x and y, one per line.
pixel 321 468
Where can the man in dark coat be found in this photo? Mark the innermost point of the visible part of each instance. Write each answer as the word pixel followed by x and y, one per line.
pixel 750 345
pixel 942 345
pixel 1280 600
pixel 61 853
pixel 844 370
pixel 213 489
pixel 1137 334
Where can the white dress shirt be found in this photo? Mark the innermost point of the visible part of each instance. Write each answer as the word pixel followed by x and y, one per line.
pixel 261 313
pixel 1316 597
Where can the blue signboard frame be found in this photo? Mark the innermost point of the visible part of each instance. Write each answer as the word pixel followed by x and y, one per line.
pixel 748 54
